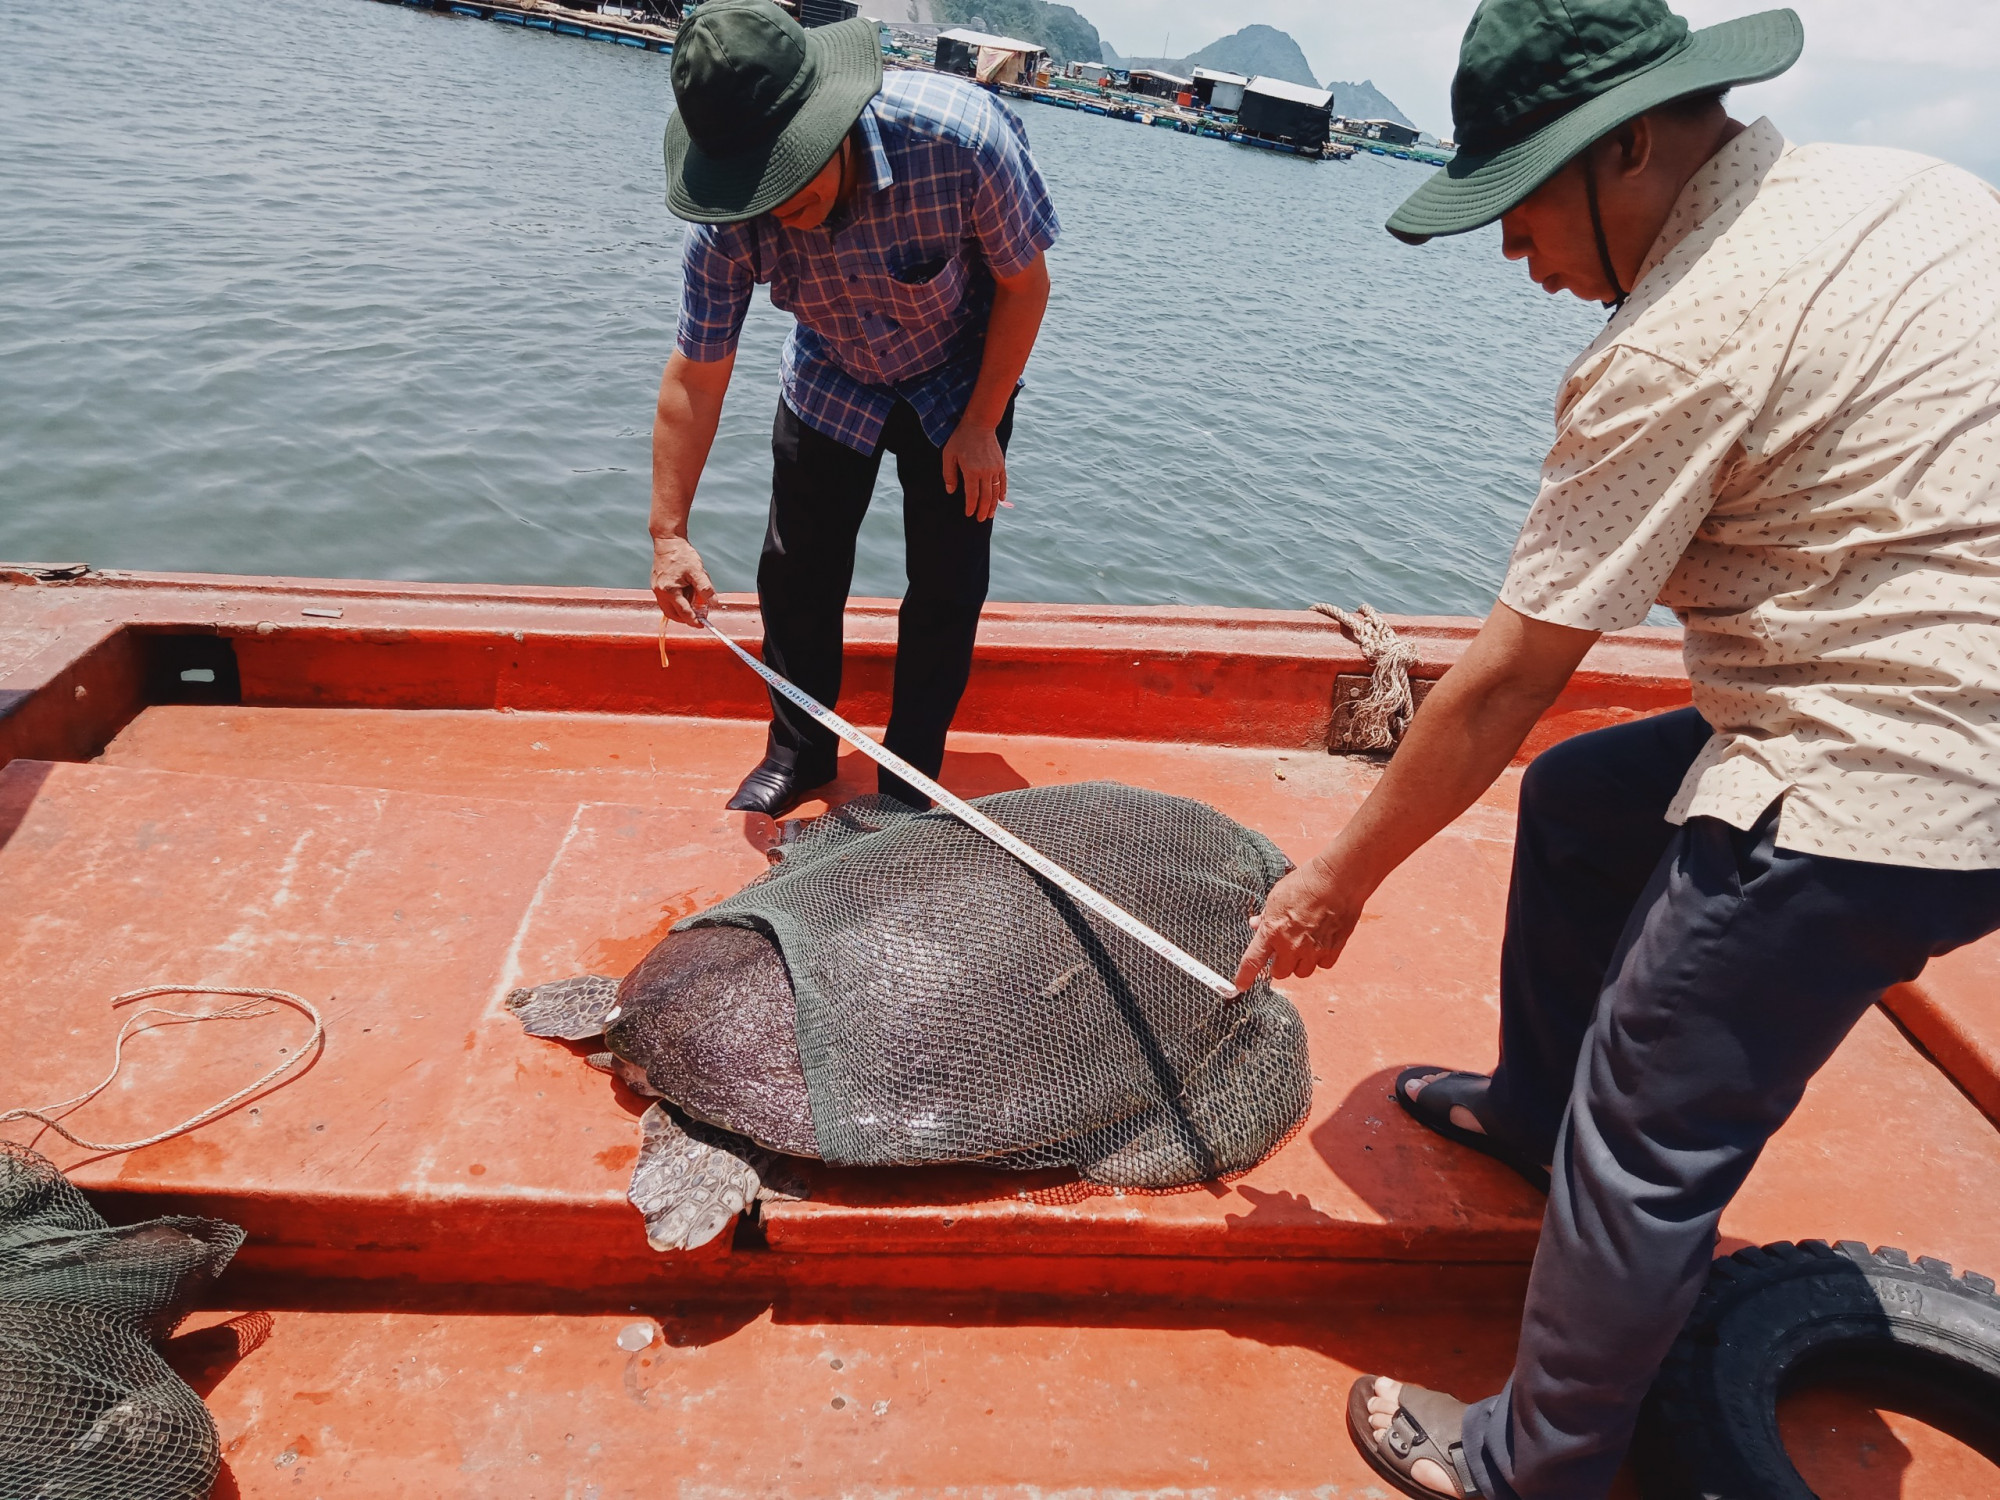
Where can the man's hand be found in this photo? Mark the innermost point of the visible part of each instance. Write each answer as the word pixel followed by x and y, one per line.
pixel 683 428
pixel 1303 926
pixel 1460 740
pixel 680 582
pixel 972 453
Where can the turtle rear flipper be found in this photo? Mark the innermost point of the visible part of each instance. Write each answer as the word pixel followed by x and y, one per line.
pixel 569 1010
pixel 692 1179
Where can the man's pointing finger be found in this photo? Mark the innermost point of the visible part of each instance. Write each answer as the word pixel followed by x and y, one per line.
pixel 1254 958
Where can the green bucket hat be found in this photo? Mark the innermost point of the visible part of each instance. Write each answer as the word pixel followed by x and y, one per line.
pixel 762 105
pixel 1539 80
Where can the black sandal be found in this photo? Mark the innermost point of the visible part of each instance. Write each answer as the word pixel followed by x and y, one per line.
pixel 1415 1432
pixel 1432 1109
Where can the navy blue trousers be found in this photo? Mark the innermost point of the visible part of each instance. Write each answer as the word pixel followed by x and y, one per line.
pixel 1666 993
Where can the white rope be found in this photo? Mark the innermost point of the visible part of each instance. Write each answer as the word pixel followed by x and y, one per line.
pixel 48 1114
pixel 1380 717
pixel 1041 864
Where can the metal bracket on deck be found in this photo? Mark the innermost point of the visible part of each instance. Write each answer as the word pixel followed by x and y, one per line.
pixel 1348 689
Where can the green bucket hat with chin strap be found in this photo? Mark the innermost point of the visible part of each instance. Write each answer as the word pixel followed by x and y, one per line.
pixel 1540 80
pixel 762 105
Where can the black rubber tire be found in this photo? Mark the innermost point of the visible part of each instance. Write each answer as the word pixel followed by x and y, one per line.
pixel 1772 1319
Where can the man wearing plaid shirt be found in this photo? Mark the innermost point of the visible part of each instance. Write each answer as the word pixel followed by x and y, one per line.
pixel 903 224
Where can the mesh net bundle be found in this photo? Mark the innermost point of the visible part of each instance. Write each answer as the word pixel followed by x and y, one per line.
pixel 88 1408
pixel 954 1006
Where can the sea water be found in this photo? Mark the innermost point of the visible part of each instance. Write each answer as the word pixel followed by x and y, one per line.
pixel 350 289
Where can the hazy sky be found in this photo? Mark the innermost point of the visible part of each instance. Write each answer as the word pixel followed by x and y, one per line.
pixel 1923 74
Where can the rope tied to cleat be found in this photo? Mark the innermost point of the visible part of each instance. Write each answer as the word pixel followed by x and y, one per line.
pixel 1381 717
pixel 1083 895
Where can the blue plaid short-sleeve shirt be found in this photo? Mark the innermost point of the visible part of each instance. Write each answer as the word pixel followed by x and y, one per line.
pixel 892 302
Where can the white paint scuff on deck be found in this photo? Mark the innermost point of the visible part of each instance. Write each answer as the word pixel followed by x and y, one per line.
pixel 510 966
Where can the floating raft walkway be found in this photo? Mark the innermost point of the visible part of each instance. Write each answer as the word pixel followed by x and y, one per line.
pixel 535 15
pixel 1429 156
pixel 399 801
pixel 557 20
pixel 1143 111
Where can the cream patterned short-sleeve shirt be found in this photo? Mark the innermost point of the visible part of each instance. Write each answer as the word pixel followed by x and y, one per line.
pixel 1790 435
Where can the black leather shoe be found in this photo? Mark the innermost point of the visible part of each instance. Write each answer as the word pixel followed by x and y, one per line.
pixel 774 789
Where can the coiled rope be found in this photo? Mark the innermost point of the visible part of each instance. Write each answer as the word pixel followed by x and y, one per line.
pixel 1383 713
pixel 249 1009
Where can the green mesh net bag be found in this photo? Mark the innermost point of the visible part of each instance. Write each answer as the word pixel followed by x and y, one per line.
pixel 954 1006
pixel 88 1408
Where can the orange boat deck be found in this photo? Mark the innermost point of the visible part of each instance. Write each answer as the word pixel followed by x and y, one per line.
pixel 403 810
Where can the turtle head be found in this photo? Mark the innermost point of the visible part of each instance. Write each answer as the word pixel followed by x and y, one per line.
pixel 692 982
pixel 708 1020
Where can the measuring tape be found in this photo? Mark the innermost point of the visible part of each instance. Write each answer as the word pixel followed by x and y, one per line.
pixel 973 818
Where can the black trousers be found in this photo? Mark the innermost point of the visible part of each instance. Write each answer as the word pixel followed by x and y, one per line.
pixel 1666 993
pixel 820 490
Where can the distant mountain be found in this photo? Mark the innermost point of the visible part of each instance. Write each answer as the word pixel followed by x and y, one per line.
pixel 1252 51
pixel 1363 101
pixel 1068 35
pixel 1257 50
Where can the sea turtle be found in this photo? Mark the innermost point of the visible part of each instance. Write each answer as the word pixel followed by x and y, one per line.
pixel 900 991
pixel 709 1014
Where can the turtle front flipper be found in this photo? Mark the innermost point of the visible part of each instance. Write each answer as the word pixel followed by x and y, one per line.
pixel 569 1010
pixel 687 1189
pixel 692 1179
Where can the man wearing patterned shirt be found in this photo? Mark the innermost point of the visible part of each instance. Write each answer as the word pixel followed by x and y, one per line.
pixel 903 224
pixel 1789 433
